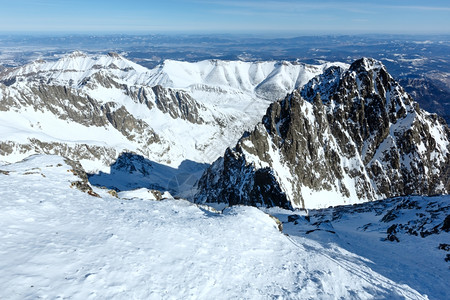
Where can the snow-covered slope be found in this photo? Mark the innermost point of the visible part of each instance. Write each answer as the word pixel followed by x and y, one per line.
pixel 92 108
pixel 268 80
pixel 405 238
pixel 349 136
pixel 76 67
pixel 58 242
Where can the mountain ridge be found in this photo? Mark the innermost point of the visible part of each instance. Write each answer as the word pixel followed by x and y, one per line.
pixel 366 140
pixel 145 111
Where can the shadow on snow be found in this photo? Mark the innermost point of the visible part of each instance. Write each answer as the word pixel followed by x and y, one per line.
pixel 132 171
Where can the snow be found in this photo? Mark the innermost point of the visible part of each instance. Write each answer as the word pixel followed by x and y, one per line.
pixel 26 124
pixel 133 172
pixel 268 79
pixel 77 66
pixel 323 198
pixel 57 242
pixel 358 230
pixel 142 193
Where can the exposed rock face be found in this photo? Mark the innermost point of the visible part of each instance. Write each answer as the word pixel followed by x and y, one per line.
pixel 177 104
pixel 75 106
pixel 76 152
pixel 348 136
pixel 64 102
pixel 82 184
pixel 233 181
pixel 127 124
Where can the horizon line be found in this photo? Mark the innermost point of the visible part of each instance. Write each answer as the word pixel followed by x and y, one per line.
pixel 291 33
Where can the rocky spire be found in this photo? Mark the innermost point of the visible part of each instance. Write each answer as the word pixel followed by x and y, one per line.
pixel 354 136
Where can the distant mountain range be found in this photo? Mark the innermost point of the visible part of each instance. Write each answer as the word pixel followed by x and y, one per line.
pixel 405 56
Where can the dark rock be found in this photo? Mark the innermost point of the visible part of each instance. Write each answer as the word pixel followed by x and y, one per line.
pixel 126 123
pixel 390 216
pixel 292 218
pixel 391 231
pixel 318 229
pixel 278 222
pixel 446 225
pixel 392 238
pixel 82 184
pixel 93 194
pixel 445 247
pixel 177 104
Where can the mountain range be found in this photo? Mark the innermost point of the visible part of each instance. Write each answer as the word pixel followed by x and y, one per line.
pixel 343 134
pixel 303 181
pixel 129 107
pixel 93 108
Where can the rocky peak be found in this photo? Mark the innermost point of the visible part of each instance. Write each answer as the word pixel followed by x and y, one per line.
pixel 114 54
pixel 366 64
pixel 76 53
pixel 357 137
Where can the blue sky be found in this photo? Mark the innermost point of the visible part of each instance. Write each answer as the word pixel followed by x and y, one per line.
pixel 226 16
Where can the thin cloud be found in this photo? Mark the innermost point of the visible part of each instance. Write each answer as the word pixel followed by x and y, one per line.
pixel 355 7
pixel 287 6
pixel 247 13
pixel 44 3
pixel 418 8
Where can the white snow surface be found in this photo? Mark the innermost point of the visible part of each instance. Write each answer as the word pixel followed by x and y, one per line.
pixel 78 65
pixel 248 77
pixel 237 75
pixel 58 242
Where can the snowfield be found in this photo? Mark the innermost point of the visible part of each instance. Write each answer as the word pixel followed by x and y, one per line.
pixel 58 242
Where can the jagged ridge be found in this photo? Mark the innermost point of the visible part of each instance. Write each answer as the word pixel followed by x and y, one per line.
pixel 364 139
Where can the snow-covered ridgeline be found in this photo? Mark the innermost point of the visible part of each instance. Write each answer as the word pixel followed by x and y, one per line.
pixel 247 77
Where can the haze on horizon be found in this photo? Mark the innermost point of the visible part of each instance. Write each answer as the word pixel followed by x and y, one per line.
pixel 226 16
